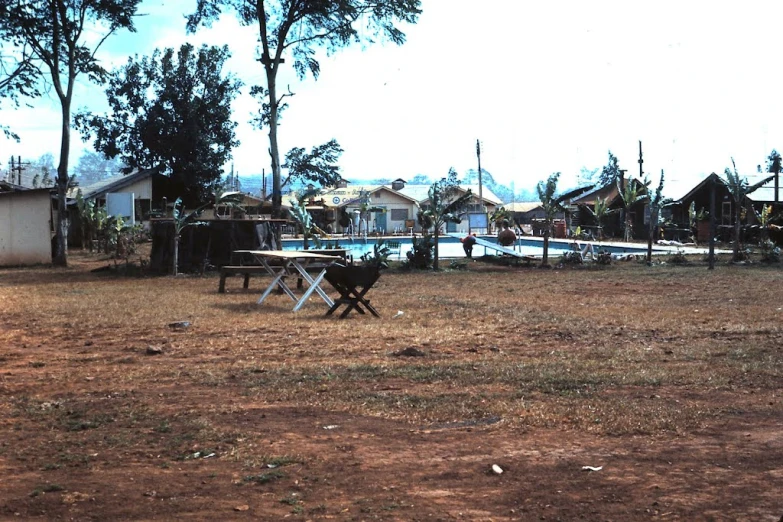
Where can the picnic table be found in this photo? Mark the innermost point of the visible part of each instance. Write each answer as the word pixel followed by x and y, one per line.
pixel 281 264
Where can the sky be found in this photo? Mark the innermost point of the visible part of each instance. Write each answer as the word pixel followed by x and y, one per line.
pixel 545 86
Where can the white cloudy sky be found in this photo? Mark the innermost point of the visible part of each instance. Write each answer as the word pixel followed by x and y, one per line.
pixel 546 86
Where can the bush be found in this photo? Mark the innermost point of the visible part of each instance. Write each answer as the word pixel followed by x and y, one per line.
pixel 678 258
pixel 603 257
pixel 378 257
pixel 770 252
pixel 421 255
pixel 571 258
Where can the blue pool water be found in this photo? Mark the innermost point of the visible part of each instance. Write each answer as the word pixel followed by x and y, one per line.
pixel 450 247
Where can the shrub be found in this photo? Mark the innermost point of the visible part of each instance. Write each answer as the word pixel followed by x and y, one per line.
pixel 603 257
pixel 678 258
pixel 421 255
pixel 571 258
pixel 378 257
pixel 770 252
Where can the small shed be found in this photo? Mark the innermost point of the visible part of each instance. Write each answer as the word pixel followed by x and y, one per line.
pixel 26 227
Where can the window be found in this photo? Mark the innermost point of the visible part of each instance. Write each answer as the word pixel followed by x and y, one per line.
pixel 399 214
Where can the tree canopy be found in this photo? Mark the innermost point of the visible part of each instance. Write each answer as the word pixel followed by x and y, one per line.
pixel 170 111
pixel 296 28
pixel 610 172
pixel 318 166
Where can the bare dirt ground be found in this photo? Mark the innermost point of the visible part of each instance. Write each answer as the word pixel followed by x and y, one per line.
pixel 667 380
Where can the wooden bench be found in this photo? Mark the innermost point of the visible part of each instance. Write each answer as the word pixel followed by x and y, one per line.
pixel 246 271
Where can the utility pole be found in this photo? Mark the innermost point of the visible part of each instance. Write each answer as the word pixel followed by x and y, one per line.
pixel 641 161
pixel 481 194
pixel 18 169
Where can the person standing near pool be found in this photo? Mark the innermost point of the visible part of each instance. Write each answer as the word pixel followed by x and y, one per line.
pixel 467 244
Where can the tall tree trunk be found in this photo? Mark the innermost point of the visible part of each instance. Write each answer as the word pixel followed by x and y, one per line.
pixel 651 236
pixel 61 246
pixel 175 255
pixel 435 261
pixel 274 149
pixel 545 259
pixel 737 215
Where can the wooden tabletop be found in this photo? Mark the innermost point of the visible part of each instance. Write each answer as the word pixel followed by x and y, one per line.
pixel 288 254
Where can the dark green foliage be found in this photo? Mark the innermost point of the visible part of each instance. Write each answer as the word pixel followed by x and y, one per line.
pixel 421 254
pixel 319 166
pixel 571 258
pixel 603 257
pixel 739 188
pixel 445 205
pixel 678 258
pixel 185 129
pixel 552 203
pixel 610 173
pixel 770 252
pixel 379 256
pixel 774 162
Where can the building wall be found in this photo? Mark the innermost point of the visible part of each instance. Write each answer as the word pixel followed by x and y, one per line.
pixel 25 228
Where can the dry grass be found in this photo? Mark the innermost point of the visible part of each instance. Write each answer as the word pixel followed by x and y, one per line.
pixel 625 350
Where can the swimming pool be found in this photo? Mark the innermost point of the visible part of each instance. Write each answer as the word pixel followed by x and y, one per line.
pixel 451 247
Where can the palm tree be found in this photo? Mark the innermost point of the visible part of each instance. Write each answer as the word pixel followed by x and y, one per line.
pixel 552 205
pixel 656 204
pixel 600 212
pixel 630 194
pixel 444 207
pixel 739 190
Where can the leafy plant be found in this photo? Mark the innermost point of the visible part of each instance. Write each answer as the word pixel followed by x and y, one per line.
pixel 600 212
pixel 678 258
pixel 571 258
pixel 603 257
pixel 421 254
pixel 739 188
pixel 552 203
pixel 770 252
pixel 379 256
pixel 445 206
pixel 630 194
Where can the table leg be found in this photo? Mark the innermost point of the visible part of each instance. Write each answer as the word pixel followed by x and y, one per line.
pixel 315 286
pixel 276 281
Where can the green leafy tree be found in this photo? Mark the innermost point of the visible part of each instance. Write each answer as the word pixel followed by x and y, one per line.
pixel 630 194
pixel 610 173
pixel 446 205
pixel 739 188
pixel 600 212
pixel 170 111
pixel 317 166
pixel 297 28
pixel 553 203
pixel 657 202
pixel 55 32
pixel 304 219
